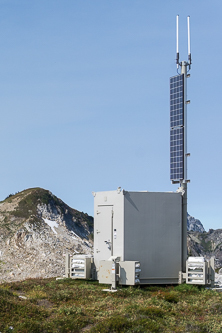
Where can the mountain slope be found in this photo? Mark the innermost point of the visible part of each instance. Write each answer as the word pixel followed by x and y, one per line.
pixel 194 224
pixel 36 230
pixel 206 244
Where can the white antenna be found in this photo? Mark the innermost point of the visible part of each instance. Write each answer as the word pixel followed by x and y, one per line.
pixel 177 42
pixel 188 31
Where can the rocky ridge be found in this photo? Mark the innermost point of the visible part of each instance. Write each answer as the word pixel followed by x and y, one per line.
pixel 194 224
pixel 36 231
pixel 206 244
pixel 203 244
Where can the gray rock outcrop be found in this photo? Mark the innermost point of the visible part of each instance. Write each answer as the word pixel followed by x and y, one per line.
pixel 206 244
pixel 36 231
pixel 194 224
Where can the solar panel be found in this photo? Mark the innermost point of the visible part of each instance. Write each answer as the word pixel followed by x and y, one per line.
pixel 177 127
pixel 176 153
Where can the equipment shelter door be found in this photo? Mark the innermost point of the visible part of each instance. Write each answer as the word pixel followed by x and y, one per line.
pixel 104 232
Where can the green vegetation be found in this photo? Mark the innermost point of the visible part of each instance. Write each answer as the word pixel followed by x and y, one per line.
pixel 207 245
pixel 11 195
pixel 81 306
pixel 29 199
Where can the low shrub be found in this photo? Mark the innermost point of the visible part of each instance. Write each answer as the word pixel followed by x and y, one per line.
pixel 114 324
pixel 151 312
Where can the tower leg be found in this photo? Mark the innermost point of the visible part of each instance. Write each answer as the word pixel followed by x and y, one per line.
pixel 184 227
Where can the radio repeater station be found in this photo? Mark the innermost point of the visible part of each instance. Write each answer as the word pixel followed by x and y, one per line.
pixel 141 237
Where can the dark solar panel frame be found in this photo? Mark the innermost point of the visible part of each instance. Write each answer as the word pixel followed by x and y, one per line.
pixel 176 153
pixel 177 100
pixel 177 127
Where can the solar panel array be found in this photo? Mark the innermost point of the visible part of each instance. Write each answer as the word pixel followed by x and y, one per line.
pixel 177 127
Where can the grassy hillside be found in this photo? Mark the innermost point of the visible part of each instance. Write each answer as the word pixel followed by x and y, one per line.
pixel 81 306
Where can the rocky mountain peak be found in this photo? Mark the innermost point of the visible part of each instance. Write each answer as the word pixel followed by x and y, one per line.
pixel 36 230
pixel 194 224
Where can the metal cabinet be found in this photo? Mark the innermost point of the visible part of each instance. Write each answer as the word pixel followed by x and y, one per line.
pixel 129 272
pixel 78 266
pixel 124 272
pixel 196 271
pixel 105 271
pixel 140 226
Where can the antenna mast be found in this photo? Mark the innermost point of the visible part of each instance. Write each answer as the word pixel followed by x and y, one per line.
pixel 178 132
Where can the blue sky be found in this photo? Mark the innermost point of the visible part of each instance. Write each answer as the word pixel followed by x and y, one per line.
pixel 84 98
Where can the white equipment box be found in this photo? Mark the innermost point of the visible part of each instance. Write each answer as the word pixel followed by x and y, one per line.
pixel 200 271
pixel 78 266
pixel 129 272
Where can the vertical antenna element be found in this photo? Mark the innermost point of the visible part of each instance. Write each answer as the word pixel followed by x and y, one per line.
pixel 177 42
pixel 188 31
pixel 177 33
